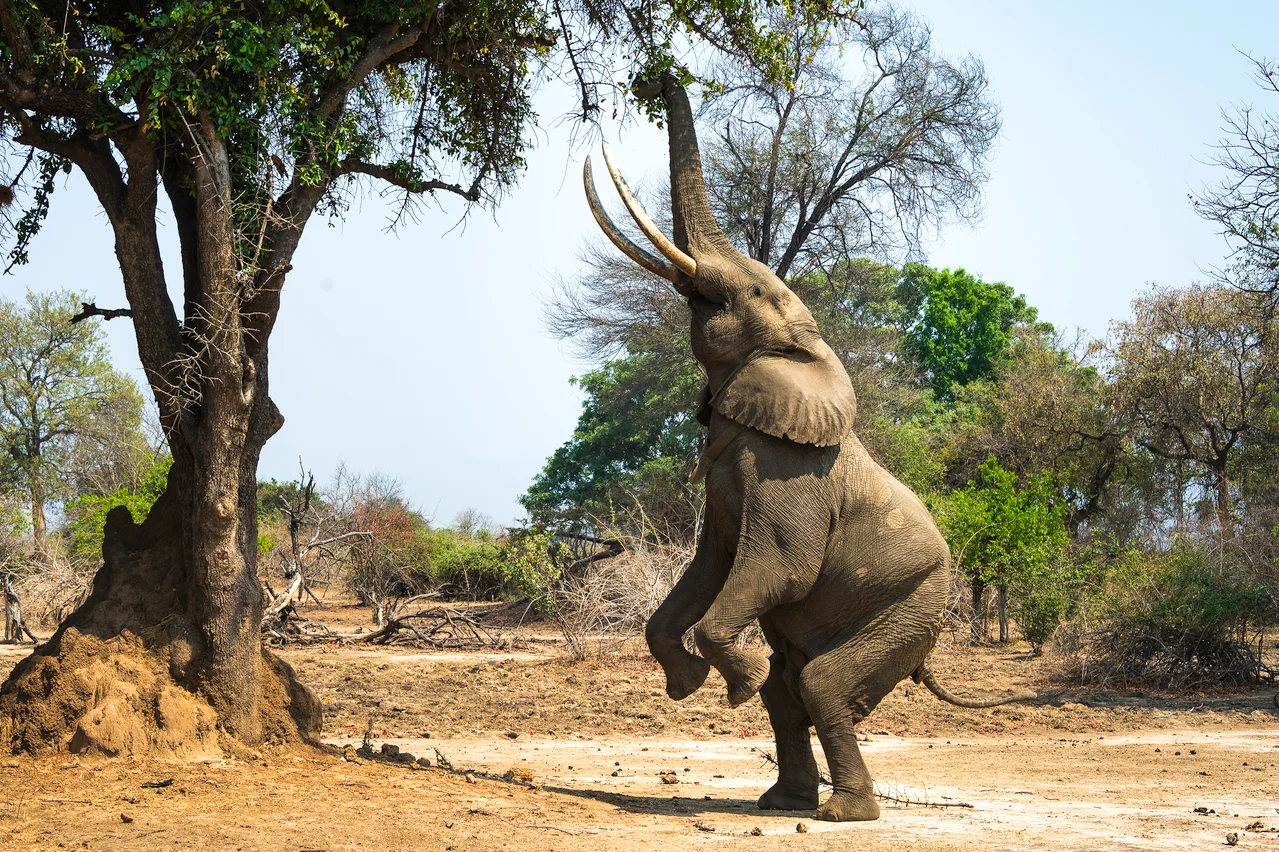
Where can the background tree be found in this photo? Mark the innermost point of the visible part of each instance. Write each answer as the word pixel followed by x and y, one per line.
pixel 1193 373
pixel 1245 206
pixel 64 410
pixel 1005 535
pixel 860 147
pixel 250 118
pixel 965 325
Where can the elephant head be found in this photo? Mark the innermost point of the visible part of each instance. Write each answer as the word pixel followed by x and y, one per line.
pixel 767 365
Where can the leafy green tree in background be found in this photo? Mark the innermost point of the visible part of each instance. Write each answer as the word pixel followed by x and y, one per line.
pixel 965 325
pixel 86 514
pixel 1007 535
pixel 62 405
pixel 636 440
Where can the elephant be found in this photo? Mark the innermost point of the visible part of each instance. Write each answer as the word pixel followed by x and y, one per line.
pixel 841 564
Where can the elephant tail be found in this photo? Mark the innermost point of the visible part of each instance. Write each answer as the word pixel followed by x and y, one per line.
pixel 925 675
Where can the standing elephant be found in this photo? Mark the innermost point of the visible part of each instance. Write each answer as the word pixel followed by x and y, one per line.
pixel 841 564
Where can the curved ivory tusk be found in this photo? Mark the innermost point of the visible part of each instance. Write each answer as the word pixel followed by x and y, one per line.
pixel 682 261
pixel 652 263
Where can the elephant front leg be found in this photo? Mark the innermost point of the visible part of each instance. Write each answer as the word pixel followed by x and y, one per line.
pixel 748 593
pixel 687 602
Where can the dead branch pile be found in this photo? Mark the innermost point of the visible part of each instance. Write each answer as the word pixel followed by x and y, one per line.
pixel 437 627
pixel 287 627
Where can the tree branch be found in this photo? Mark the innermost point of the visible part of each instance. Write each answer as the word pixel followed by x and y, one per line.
pixel 89 309
pixel 351 165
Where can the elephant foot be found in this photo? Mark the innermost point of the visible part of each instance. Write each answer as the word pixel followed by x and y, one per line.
pixel 684 681
pixel 741 690
pixel 849 807
pixel 783 798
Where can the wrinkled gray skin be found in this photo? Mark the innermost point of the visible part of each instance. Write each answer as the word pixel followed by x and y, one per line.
pixel 841 563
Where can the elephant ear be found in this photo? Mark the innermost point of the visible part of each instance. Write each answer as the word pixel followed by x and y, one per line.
pixel 802 395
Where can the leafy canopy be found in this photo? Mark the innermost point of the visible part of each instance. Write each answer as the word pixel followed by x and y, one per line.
pixel 965 325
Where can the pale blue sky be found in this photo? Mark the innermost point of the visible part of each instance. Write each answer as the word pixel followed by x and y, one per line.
pixel 422 354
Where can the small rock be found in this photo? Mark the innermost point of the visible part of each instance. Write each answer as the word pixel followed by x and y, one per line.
pixel 512 735
pixel 470 779
pixel 757 832
pixel 424 762
pixel 615 773
pixel 669 778
pixel 405 757
pixel 390 750
pixel 126 819
pixel 520 775
pixel 1232 838
pixel 801 828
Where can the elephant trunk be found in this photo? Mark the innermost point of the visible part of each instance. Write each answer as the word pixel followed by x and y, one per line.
pixel 925 674
pixel 696 230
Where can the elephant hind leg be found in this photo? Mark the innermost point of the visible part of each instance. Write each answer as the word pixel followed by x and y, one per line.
pixel 841 687
pixel 796 787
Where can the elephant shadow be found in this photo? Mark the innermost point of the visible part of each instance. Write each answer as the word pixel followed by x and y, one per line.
pixel 674 805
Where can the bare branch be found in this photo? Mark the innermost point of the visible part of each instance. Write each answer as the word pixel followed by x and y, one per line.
pixel 89 309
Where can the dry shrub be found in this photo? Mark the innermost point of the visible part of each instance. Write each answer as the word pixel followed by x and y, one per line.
pixel 609 600
pixel 53 587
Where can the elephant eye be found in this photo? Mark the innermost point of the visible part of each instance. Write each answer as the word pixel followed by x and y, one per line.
pixel 757 290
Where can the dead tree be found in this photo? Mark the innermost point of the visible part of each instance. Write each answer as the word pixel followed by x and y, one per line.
pixel 300 512
pixel 14 624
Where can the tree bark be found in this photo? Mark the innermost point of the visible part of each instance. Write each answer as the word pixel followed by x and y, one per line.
pixel 1001 600
pixel 1225 507
pixel 979 614
pixel 39 526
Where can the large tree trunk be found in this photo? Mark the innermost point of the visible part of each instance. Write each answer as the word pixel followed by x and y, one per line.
pixel 165 657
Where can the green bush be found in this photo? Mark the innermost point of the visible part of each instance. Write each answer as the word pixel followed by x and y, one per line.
pixel 1183 620
pixel 1041 599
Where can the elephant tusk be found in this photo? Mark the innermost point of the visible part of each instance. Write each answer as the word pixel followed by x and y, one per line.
pixel 683 262
pixel 649 261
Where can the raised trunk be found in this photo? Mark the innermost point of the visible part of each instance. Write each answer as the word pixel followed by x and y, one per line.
pixel 694 225
pixel 1001 602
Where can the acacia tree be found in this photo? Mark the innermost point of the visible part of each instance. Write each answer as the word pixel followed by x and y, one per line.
pixel 250 118
pixel 59 398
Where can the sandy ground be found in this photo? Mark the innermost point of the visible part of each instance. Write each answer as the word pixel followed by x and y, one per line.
pixel 582 745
